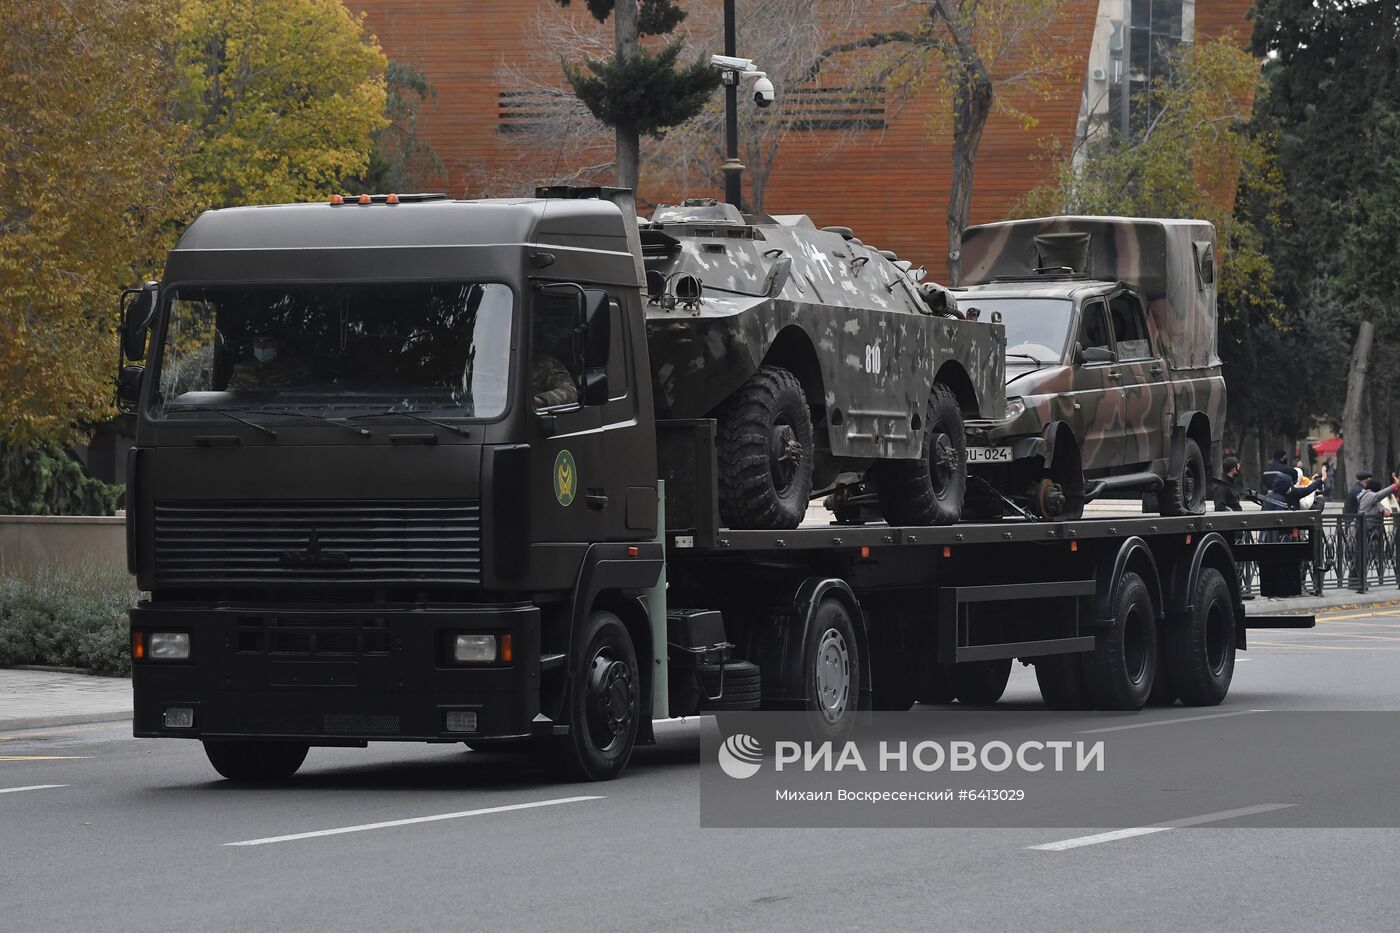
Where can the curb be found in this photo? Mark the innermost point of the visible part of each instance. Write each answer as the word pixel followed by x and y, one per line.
pixel 1317 604
pixel 71 719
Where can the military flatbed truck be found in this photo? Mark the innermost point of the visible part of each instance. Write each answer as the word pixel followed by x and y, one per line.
pixel 359 515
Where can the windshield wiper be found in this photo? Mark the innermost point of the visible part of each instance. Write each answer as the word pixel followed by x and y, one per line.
pixel 1026 356
pixel 307 414
pixel 227 414
pixel 411 413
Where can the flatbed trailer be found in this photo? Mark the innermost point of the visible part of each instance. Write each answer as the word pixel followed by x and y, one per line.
pixel 326 568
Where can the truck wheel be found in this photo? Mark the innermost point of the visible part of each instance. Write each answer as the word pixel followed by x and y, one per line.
pixel 1185 493
pixel 831 671
pixel 1119 671
pixel 255 762
pixel 765 452
pixel 929 490
pixel 602 707
pixel 980 683
pixel 1061 681
pixel 1201 653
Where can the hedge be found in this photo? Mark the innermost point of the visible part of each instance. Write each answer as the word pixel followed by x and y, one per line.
pixel 67 618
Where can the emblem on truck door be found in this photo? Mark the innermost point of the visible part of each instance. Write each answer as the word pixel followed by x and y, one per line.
pixel 565 477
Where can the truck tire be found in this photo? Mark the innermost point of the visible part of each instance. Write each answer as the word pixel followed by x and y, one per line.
pixel 765 452
pixel 979 683
pixel 1061 681
pixel 929 490
pixel 831 666
pixel 1201 653
pixel 255 762
pixel 741 685
pixel 1119 671
pixel 602 705
pixel 1185 493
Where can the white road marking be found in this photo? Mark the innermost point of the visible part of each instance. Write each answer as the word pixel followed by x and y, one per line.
pixel 388 824
pixel 1116 834
pixel 16 790
pixel 1171 722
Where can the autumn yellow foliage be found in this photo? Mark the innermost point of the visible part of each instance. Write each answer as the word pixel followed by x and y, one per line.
pixel 87 148
pixel 122 119
pixel 283 98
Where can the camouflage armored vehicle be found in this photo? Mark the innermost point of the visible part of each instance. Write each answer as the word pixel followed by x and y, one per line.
pixel 1113 381
pixel 823 360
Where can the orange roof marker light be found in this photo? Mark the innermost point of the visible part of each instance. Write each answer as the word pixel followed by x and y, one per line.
pixel 337 199
pixel 364 199
pixel 392 199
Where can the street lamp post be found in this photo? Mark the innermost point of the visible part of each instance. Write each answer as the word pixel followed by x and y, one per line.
pixel 732 168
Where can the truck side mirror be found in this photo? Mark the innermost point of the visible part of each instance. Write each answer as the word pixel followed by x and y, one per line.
pixel 595 325
pixel 136 320
pixel 129 387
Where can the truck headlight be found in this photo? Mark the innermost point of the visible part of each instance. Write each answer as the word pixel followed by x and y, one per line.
pixel 477 649
pixel 1015 408
pixel 168 646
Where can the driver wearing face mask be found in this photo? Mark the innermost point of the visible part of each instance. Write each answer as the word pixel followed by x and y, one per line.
pixel 271 368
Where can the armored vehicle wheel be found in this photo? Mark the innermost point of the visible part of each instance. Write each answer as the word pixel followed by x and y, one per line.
pixel 765 452
pixel 1201 653
pixel 831 669
pixel 1119 671
pixel 255 762
pixel 929 490
pixel 980 683
pixel 602 707
pixel 1185 493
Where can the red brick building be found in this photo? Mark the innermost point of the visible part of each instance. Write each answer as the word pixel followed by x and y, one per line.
pixel 890 184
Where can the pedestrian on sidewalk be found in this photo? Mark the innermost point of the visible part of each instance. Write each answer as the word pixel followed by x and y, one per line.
pixel 1228 488
pixel 1277 467
pixel 1354 493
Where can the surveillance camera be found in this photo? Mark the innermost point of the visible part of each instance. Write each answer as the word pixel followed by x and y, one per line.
pixel 763 92
pixel 731 62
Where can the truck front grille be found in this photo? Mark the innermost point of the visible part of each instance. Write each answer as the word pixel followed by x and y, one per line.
pixel 380 542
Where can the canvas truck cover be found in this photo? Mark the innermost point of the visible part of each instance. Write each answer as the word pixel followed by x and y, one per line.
pixel 1171 262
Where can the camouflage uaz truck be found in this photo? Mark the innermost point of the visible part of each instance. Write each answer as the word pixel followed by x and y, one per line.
pixel 1113 380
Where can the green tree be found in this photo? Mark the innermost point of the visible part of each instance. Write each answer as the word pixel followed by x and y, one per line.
pixel 283 97
pixel 1332 68
pixel 401 159
pixel 86 145
pixel 634 91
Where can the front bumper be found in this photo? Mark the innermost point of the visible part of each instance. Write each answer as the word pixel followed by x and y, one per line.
pixel 337 676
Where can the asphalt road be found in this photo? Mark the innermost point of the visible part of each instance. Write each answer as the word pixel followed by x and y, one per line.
pixel 135 835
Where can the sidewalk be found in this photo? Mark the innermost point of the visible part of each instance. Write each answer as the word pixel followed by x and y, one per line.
pixel 30 699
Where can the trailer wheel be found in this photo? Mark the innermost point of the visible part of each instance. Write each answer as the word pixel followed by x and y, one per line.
pixel 1119 671
pixel 980 683
pixel 1061 681
pixel 602 707
pixel 831 667
pixel 929 490
pixel 255 762
pixel 765 452
pixel 1185 493
pixel 1201 653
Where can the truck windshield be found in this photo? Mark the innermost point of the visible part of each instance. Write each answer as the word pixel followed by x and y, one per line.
pixel 1037 328
pixel 442 347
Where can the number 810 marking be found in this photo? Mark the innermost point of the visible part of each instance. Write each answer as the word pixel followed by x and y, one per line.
pixel 873 363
